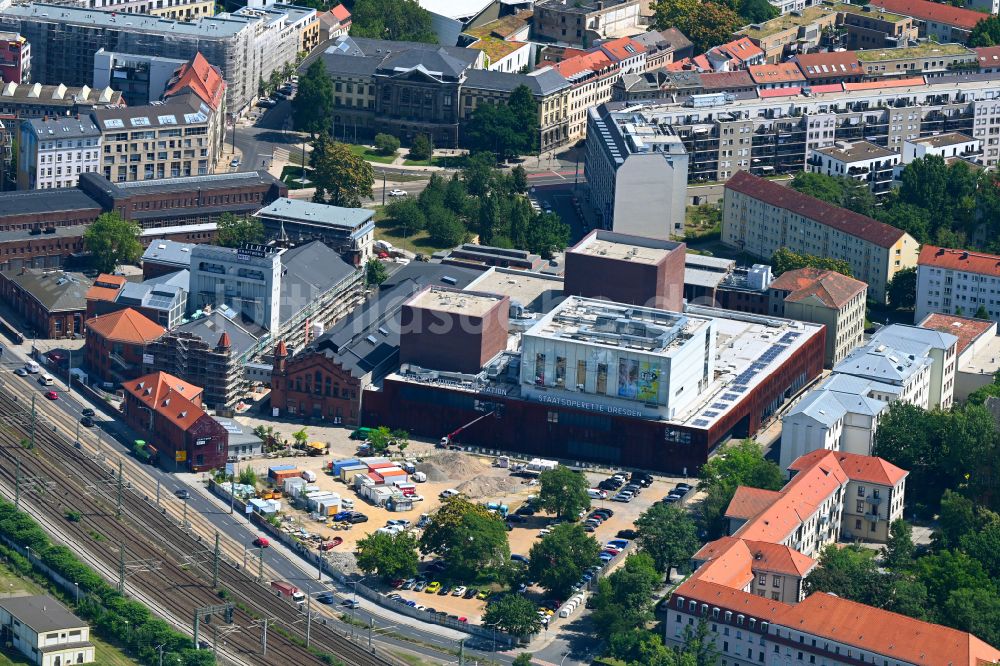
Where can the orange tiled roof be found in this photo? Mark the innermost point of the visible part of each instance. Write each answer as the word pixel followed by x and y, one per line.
pixel 748 502
pixel 960 260
pixel 890 634
pixel 782 72
pixel 728 563
pixel 827 64
pixel 126 326
pixel 966 329
pixel 989 56
pixel 886 83
pixel 870 469
pixel 623 48
pixel 168 396
pixel 594 61
pixel 201 78
pixel 340 13
pixel 780 559
pixel 830 287
pixel 933 11
pixel 106 287
pixel 741 49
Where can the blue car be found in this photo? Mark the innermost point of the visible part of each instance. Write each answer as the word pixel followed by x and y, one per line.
pixel 606 557
pixel 411 603
pixel 343 515
pixel 326 598
pixel 618 543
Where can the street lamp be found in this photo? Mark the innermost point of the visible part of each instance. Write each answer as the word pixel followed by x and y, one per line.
pixel 76 586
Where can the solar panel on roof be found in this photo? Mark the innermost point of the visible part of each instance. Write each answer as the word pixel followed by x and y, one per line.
pixel 710 414
pixel 719 405
pixel 701 422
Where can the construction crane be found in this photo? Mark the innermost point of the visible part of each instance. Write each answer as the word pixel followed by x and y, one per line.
pixel 448 441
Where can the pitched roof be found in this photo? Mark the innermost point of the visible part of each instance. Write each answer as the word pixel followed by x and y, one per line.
pixel 723 80
pixel 341 13
pixel 741 49
pixel 933 11
pixel 732 599
pixel 989 56
pixel 889 634
pixel 870 469
pixel 126 326
pixel 727 562
pixel 577 66
pixel 748 502
pixel 168 396
pixel 782 72
pixel 200 77
pixel 829 287
pixel 778 558
pixel 966 329
pixel 106 287
pixel 959 260
pixel 812 208
pixel 55 290
pixel 622 48
pixel 828 64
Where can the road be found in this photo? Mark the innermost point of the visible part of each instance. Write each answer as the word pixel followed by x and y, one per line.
pixel 115 434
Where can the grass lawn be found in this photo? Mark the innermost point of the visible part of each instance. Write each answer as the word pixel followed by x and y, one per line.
pixel 370 155
pixel 702 222
pixel 446 161
pixel 291 174
pixel 105 654
pixel 419 242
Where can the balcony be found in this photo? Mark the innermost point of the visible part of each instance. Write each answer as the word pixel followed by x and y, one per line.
pixel 874 501
pixel 873 517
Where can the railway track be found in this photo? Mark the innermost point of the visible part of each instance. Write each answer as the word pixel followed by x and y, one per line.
pixel 182 580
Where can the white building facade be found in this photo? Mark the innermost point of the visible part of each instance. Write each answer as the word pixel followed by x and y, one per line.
pixel 951 281
pixel 55 151
pixel 247 280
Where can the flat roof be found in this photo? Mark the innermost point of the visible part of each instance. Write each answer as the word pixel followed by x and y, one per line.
pixel 624 247
pixel 453 301
pixel 944 140
pixel 854 152
pixel 985 361
pixel 786 22
pixel 294 210
pixel 920 51
pixel 537 292
pixel 42 613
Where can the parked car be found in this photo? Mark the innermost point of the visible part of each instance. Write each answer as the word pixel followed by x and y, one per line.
pixel 433 588
pixel 618 543
pixel 342 515
pixel 525 510
pixel 397 193
pixel 604 510
pixel 420 586
pixel 670 499
pixel 683 487
pixel 459 591
pixel 515 518
pixel 622 497
pixel 357 518
pixel 235 162
pixel 409 584
pixel 444 591
pixel 483 595
pixel 400 522
pixel 627 534
pixel 448 492
pixel 470 593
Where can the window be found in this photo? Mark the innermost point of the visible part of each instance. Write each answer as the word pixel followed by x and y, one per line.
pixel 861 491
pixel 560 371
pixel 762 580
pixel 860 506
pixel 581 374
pixel 602 378
pixel 776 581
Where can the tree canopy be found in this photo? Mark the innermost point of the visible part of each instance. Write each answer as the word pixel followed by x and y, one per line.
pixel 513 614
pixel 112 241
pixel 706 24
pixel 375 272
pixel 903 289
pixel 742 464
pixel 624 599
pixel 563 492
pixel 238 231
pixel 396 20
pixel 506 130
pixel 838 190
pixel 470 539
pixel 388 555
pixel 341 177
pixel 312 106
pixel 560 558
pixel 784 260
pixel 986 32
pixel 668 534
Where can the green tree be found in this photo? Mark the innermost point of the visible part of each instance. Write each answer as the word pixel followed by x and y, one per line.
pixel 560 558
pixel 899 548
pixel 669 535
pixel 422 148
pixel 479 174
pixel 740 465
pixel 850 572
pixel 784 260
pixel 471 540
pixel 563 492
pixel 112 241
pixel 248 477
pixel 976 610
pixel 624 600
pixel 986 32
pixel 706 24
pixel 519 177
pixel 341 177
pixel 506 130
pixel 957 519
pixel 388 555
pixel 397 20
pixel 379 439
pixel 445 228
pixel 903 289
pixel 837 190
pixel 943 573
pixel 914 220
pixel 523 659
pixel 406 214
pixel 981 312
pixel 515 615
pixel 312 106
pixel 301 437
pixel 386 144
pixel 375 272
pixel 546 235
pixel 238 231
pixel 983 545
pixel 757 11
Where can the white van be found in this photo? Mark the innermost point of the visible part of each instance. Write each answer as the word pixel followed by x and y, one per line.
pixel 45 379
pixel 32 367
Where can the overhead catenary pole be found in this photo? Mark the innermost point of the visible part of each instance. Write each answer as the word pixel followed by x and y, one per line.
pixel 215 563
pixel 309 617
pixel 32 435
pixel 17 484
pixel 121 486
pixel 121 568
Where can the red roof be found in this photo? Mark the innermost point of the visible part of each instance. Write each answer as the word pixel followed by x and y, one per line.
pixel 809 207
pixel 887 634
pixel 966 329
pixel 886 83
pixel 781 559
pixel 282 349
pixel 623 48
pixel 724 80
pixel 829 287
pixel 827 88
pixel 728 598
pixel 201 78
pixel 170 397
pixel 224 341
pixel 105 287
pixel 870 469
pixel 779 92
pixel 594 61
pixel 959 260
pixel 747 502
pixel 126 326
pixel 341 14
pixel 741 49
pixel 829 64
pixel 989 56
pixel 933 11
pixel 782 72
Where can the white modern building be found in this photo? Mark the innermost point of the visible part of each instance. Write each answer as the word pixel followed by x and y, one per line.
pixel 909 373
pixel 830 419
pixel 54 151
pixel 863 161
pixel 625 357
pixel 637 170
pixel 957 282
pixel 953 145
pixel 247 280
pixel 940 348
pixel 43 629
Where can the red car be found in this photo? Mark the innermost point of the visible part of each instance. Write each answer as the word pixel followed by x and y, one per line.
pixel 51 395
pixel 261 542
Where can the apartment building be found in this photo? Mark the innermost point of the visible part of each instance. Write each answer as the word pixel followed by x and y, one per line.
pixel 583 22
pixel 938 21
pixel 862 161
pixel 829 67
pixel 823 297
pixel 34 100
pixel 908 373
pixel 141 79
pixel 246 45
pixel 760 216
pixel 950 146
pixel 978 350
pixel 591 77
pixel 737 54
pixel 179 138
pixel 504 41
pixel 868 27
pixel 180 10
pixel 53 152
pixel 939 347
pixel 951 281
pixel 637 171
pixel 664 46
pixel 928 59
pixel 15 58
pixel 801 30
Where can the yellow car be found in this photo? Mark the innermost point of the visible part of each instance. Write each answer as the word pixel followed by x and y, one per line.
pixel 433 588
pixel 483 596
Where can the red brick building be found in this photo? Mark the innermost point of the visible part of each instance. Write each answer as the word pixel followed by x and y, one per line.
pixel 627 269
pixel 317 385
pixel 52 302
pixel 116 343
pixel 166 412
pixel 105 290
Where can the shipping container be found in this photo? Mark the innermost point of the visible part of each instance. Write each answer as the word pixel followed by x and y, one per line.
pixel 376 478
pixel 293 485
pixel 362 480
pixel 341 464
pixel 373 460
pixel 274 469
pixel 379 465
pixel 279 476
pixel 347 474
